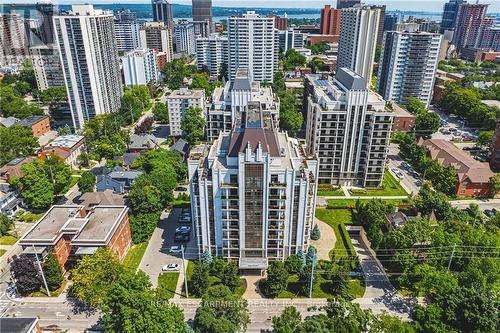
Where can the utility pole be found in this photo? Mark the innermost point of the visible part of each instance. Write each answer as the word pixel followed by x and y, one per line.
pixel 41 271
pixel 312 277
pixel 451 256
pixel 184 270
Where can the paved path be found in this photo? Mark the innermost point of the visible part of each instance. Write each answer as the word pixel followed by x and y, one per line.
pixel 367 197
pixel 326 242
pixel 482 203
pixel 252 291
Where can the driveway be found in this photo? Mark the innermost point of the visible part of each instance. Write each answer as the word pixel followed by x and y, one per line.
pixel 326 242
pixel 394 161
pixel 157 255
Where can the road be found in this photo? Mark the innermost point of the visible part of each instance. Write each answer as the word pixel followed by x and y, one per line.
pixel 409 182
pixel 482 203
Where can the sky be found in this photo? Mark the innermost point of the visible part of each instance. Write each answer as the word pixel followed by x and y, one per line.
pixel 417 5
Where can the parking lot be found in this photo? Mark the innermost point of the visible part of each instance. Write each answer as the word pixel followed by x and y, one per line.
pixel 408 180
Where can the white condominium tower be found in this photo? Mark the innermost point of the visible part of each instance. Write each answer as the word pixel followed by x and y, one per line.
pixel 184 37
pixel 126 30
pixel 90 63
pixel 253 44
pixel 358 39
pixel 407 66
pixel 178 102
pixel 349 127
pixel 253 193
pixel 157 36
pixel 140 67
pixel 236 96
pixel 211 53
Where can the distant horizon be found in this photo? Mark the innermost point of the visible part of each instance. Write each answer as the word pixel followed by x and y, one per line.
pixel 430 6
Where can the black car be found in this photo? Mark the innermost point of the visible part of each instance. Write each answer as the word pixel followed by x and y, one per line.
pixel 488 212
pixel 181 238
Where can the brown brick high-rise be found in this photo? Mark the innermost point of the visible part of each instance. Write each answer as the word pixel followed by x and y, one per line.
pixel 330 21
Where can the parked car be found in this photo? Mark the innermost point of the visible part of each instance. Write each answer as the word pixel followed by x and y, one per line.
pixel 489 212
pixel 183 229
pixel 175 249
pixel 181 238
pixel 181 189
pixel 170 267
pixel 405 165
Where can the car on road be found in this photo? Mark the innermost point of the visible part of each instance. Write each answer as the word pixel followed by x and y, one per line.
pixel 181 189
pixel 489 212
pixel 175 249
pixel 405 165
pixel 181 238
pixel 183 229
pixel 170 267
pixel 183 220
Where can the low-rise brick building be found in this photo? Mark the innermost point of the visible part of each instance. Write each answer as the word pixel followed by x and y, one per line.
pixel 403 121
pixel 73 231
pixel 66 147
pixel 39 125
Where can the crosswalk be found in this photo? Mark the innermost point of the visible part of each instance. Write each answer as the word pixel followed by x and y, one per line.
pixel 4 304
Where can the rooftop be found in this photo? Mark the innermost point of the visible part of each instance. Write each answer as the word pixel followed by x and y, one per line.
pixel 30 121
pixel 66 141
pixel 187 93
pixel 8 122
pixel 350 79
pixel 491 103
pixel 17 325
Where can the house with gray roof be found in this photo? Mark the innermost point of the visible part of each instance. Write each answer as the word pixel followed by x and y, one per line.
pixel 118 180
pixel 140 143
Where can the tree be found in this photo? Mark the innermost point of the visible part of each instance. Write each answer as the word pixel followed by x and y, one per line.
pixel 206 257
pixel 202 81
pixel 231 276
pixel 144 199
pixel 5 225
pixel 221 311
pixel 315 234
pixel 293 59
pixel 174 73
pixel 94 275
pixel 311 257
pixel 427 123
pixel 495 183
pixel 385 323
pixel 277 279
pixel 130 306
pixel 86 183
pixel 217 267
pixel 104 136
pixel 319 48
pixel 291 121
pixel 278 82
pixel 288 321
pixel 199 280
pixel 294 263
pixel 305 279
pixel 194 125
pixel 485 138
pixel 142 225
pixel 35 186
pixel 160 112
pixel 25 274
pixel 340 285
pixel 17 141
pixel 415 106
pixel 53 271
pixel 54 96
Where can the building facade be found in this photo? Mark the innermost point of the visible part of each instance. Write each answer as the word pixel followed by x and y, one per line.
pixel 290 39
pixel 330 21
pixel 407 66
pixel 47 66
pixel 236 96
pixel 90 63
pixel 358 40
pixel 211 53
pixel 162 12
pixel 178 102
pixel 253 44
pixel 156 36
pixel 253 193
pixel 126 30
pixel 347 3
pixel 202 10
pixel 450 10
pixel 349 127
pixel 140 67
pixel 470 24
pixel 13 40
pixel 184 37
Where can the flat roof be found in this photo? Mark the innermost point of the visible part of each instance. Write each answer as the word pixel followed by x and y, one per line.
pixel 66 141
pixel 17 324
pixel 102 221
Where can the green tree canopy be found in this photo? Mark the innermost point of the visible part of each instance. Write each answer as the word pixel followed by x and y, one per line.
pixel 194 125
pixel 287 321
pixel 53 271
pixel 277 279
pixel 17 141
pixel 160 112
pixel 86 183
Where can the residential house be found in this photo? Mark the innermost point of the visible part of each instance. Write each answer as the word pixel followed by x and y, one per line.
pixel 180 146
pixel 10 201
pixel 72 231
pixel 13 168
pixel 67 147
pixel 403 121
pixel 39 125
pixel 119 180
pixel 140 143
pixel 8 122
pixel 473 176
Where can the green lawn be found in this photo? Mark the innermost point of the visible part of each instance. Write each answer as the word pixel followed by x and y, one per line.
pixel 351 203
pixel 343 247
pixel 134 255
pixel 322 288
pixel 2 252
pixel 390 187
pixel 8 240
pixel 167 282
pixel 43 292
pixel 28 217
pixel 327 190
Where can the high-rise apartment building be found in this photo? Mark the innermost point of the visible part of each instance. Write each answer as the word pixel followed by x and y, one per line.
pixel 349 127
pixel 330 21
pixel 491 39
pixel 253 193
pixel 162 12
pixel 236 96
pixel 184 37
pixel 280 23
pixel 126 30
pixel 341 4
pixel 140 67
pixel 45 29
pixel 470 24
pixel 202 10
pixel 450 10
pixel 178 102
pixel 381 22
pixel 211 53
pixel 290 39
pixel 13 40
pixel 358 39
pixel 89 57
pixel 408 65
pixel 253 44
pixel 47 66
pixel 390 21
pixel 156 36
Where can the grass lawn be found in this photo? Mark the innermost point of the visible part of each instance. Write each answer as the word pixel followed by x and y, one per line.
pixel 8 240
pixel 390 187
pixel 43 293
pixel 321 288
pixel 2 252
pixel 28 217
pixel 134 255
pixel 167 282
pixel 327 190
pixel 176 203
pixel 351 203
pixel 343 246
pixel 74 180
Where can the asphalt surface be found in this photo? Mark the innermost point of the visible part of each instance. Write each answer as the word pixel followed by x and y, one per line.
pixel 394 161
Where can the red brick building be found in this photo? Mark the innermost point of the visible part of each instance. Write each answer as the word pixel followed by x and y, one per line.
pixel 330 21
pixel 473 176
pixel 280 23
pixel 315 39
pixel 73 231
pixel 403 121
pixel 39 125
